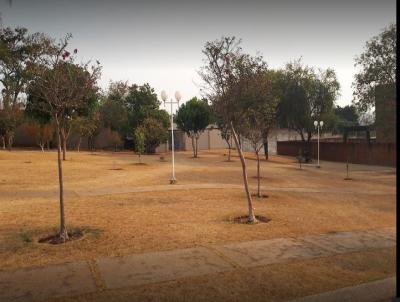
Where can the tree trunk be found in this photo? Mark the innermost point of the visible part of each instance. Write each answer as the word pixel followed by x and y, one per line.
pixel 258 175
pixel 197 145
pixel 63 143
pixel 79 143
pixel 4 142
pixel 9 141
pixel 229 152
pixel 41 146
pixel 266 149
pixel 252 217
pixel 48 145
pixel 193 147
pixel 64 148
pixel 10 137
pixel 140 159
pixel 63 231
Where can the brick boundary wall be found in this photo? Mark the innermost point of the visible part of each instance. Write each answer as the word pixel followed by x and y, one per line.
pixel 383 154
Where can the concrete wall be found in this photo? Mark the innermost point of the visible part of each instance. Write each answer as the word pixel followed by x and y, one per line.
pixel 211 139
pixel 102 141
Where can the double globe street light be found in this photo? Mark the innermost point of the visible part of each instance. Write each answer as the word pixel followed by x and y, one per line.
pixel 178 97
pixel 318 125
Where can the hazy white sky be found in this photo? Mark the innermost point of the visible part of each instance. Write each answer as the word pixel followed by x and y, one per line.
pixel 160 42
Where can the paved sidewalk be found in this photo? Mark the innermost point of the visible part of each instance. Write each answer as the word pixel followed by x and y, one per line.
pixel 376 291
pixel 37 284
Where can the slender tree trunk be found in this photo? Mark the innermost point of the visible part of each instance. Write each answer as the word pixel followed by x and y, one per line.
pixel 63 230
pixel 193 147
pixel 252 217
pixel 140 159
pixel 41 146
pixel 197 145
pixel 4 142
pixel 48 145
pixel 79 143
pixel 266 149
pixel 258 175
pixel 229 153
pixel 64 147
pixel 93 143
pixel 9 141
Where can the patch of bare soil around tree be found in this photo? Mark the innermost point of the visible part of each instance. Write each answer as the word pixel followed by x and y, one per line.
pixel 263 196
pixel 56 238
pixel 245 219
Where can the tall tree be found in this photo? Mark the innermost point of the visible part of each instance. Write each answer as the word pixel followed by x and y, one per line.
pixel 227 71
pixel 377 66
pixel 141 102
pixel 113 109
pixel 19 52
pixel 307 96
pixel 126 107
pixel 66 87
pixel 193 117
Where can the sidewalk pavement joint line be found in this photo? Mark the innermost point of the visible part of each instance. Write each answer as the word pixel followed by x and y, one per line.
pixel 96 275
pixel 223 256
pixel 319 245
pixel 374 291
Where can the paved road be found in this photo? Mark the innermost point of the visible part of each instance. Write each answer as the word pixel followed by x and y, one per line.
pixel 40 283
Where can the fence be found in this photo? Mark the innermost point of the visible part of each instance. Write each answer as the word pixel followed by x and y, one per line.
pixel 383 154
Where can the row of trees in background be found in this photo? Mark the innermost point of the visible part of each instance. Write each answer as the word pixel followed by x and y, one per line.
pixel 45 87
pixel 27 58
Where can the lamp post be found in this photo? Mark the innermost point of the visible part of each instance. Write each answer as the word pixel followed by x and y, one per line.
pixel 318 125
pixel 178 97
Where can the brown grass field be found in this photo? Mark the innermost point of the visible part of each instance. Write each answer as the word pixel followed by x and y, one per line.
pixel 126 223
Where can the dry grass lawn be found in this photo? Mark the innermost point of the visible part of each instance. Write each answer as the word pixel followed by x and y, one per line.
pixel 120 224
pixel 137 222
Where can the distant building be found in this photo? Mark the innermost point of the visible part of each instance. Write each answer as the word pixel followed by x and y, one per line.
pixel 211 139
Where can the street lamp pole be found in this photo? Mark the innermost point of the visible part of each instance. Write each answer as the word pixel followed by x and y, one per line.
pixel 318 125
pixel 164 97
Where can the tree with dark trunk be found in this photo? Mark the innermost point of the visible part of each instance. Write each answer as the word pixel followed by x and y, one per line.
pixel 193 118
pixel 61 88
pixel 19 52
pixel 305 97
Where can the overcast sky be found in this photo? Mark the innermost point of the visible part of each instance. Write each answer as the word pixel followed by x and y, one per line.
pixel 160 42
